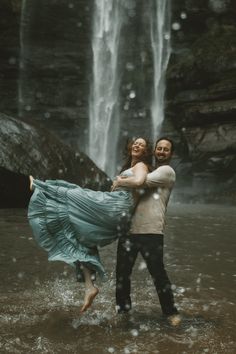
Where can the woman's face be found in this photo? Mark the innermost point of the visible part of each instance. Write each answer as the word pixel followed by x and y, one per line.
pixel 138 148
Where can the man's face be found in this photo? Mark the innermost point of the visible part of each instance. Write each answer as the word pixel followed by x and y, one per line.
pixel 163 152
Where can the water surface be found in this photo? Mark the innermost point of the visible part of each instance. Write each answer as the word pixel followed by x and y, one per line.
pixel 40 300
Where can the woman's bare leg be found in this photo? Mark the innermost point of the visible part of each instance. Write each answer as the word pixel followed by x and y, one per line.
pixel 91 291
pixel 31 180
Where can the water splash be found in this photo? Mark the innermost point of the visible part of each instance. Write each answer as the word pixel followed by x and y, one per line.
pixel 160 40
pixel 104 110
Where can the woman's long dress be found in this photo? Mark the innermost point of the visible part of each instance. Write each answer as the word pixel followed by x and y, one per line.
pixel 70 222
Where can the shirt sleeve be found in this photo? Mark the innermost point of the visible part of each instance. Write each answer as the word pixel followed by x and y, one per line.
pixel 162 176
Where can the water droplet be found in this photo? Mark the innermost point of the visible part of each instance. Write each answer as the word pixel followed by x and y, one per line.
pixel 47 115
pixel 156 196
pixel 134 332
pixel 20 275
pixel 132 94
pixel 198 281
pixel 180 290
pixel 21 65
pixel 142 113
pixel 142 266
pixel 12 60
pixel 28 108
pixel 126 106
pixel 141 191
pixel 129 66
pixel 183 15
pixel 39 94
pixel 176 26
pixel 205 307
pixel 167 36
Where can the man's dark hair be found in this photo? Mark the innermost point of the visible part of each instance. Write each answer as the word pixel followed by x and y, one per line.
pixel 168 139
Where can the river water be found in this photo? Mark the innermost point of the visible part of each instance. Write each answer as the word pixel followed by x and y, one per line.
pixel 40 300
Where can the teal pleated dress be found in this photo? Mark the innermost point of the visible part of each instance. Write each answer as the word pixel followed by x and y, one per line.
pixel 70 222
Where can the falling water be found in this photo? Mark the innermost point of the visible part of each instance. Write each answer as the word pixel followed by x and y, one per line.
pixel 104 110
pixel 22 54
pixel 160 39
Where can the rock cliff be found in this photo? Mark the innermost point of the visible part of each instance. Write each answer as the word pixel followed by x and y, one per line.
pixel 201 80
pixel 201 91
pixel 29 149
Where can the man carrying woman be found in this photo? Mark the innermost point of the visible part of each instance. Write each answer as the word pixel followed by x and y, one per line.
pixel 146 236
pixel 70 222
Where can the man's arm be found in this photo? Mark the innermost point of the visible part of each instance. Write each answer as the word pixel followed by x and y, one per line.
pixel 136 180
pixel 161 176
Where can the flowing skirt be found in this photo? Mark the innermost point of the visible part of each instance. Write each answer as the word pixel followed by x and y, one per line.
pixel 70 222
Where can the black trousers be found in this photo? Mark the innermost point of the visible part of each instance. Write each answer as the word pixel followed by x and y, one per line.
pixel 151 248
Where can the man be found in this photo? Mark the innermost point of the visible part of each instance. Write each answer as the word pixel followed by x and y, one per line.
pixel 146 236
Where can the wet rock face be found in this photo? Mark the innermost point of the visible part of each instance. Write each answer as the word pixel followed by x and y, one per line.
pixel 45 62
pixel 201 77
pixel 9 44
pixel 201 85
pixel 28 149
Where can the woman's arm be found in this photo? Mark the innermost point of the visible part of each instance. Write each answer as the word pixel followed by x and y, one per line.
pixel 140 172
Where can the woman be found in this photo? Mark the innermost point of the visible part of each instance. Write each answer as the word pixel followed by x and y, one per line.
pixel 70 222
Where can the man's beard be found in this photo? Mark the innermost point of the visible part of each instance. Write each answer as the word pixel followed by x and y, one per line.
pixel 162 160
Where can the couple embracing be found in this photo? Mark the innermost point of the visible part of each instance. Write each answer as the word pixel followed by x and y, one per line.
pixel 71 222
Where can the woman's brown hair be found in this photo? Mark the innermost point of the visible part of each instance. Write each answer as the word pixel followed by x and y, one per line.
pixel 146 158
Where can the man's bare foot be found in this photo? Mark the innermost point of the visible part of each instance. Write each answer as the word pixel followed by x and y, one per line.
pixel 174 320
pixel 31 180
pixel 90 295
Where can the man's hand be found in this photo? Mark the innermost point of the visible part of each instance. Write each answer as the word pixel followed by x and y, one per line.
pixel 117 182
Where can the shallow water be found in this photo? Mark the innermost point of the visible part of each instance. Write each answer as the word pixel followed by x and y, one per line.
pixel 40 300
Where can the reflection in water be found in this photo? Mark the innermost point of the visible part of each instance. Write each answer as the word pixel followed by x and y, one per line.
pixel 40 301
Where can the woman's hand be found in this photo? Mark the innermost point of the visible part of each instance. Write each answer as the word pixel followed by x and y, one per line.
pixel 117 182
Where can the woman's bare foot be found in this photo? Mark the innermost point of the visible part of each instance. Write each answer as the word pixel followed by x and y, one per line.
pixel 31 180
pixel 90 295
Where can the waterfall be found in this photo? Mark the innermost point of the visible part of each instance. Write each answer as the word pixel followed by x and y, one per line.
pixel 104 126
pixel 21 61
pixel 26 91
pixel 160 40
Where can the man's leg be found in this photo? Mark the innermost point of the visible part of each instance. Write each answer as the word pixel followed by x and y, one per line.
pixel 126 255
pixel 152 252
